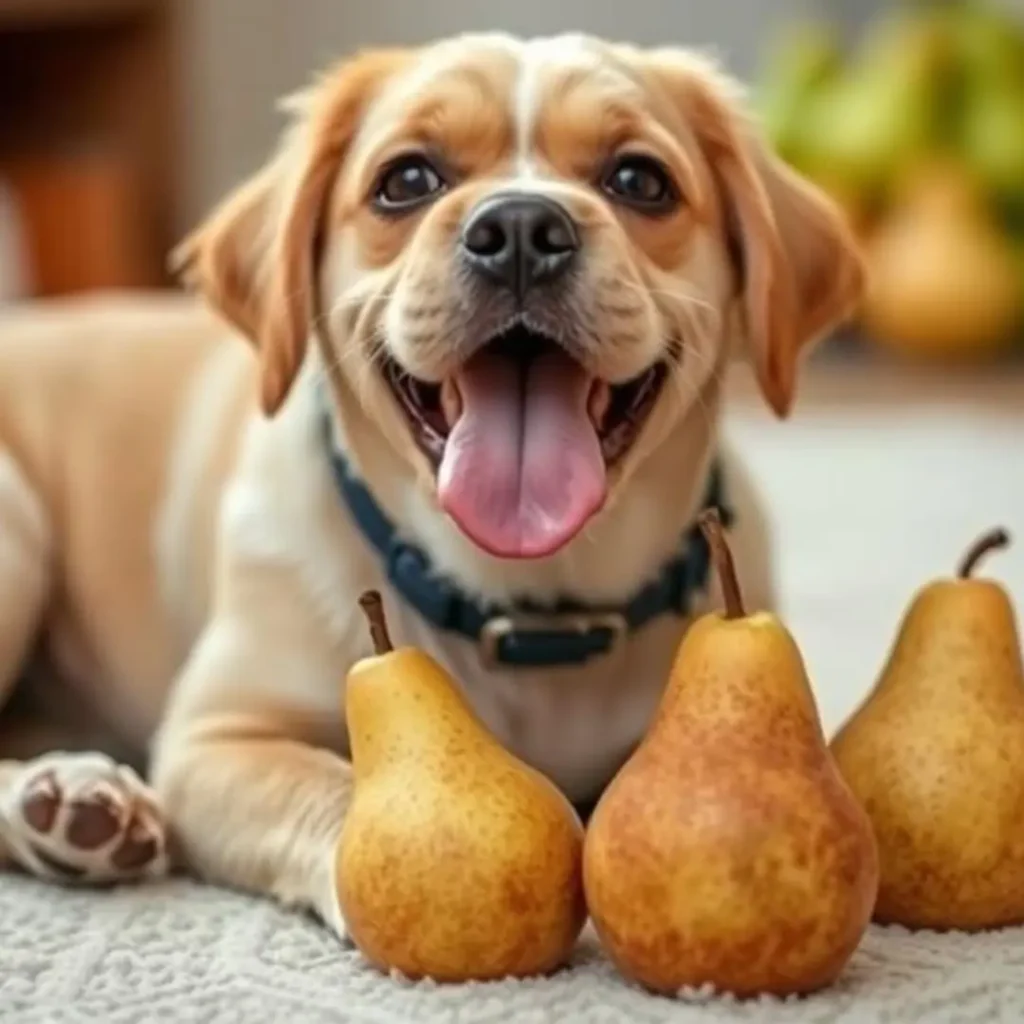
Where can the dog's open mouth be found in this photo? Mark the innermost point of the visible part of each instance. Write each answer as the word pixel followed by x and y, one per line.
pixel 522 437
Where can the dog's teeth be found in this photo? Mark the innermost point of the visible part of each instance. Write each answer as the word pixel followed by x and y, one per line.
pixel 451 402
pixel 420 394
pixel 642 392
pixel 597 404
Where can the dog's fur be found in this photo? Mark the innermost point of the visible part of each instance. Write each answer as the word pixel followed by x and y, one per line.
pixel 173 551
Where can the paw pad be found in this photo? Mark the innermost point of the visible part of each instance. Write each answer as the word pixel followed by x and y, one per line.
pixel 83 818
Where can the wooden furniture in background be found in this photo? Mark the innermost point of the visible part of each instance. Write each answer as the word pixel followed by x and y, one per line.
pixel 87 138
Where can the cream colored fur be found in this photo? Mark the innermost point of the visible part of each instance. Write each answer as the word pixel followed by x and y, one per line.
pixel 169 526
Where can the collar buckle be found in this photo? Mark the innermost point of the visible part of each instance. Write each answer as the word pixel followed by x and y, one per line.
pixel 587 634
pixel 522 638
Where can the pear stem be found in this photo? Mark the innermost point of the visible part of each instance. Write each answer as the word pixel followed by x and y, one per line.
pixel 991 541
pixel 373 608
pixel 710 523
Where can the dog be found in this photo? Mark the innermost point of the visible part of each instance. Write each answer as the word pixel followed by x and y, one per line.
pixel 462 339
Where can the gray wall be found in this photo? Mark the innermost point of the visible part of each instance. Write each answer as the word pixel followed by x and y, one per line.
pixel 240 55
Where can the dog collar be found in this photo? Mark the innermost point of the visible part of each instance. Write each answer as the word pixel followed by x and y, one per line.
pixel 526 636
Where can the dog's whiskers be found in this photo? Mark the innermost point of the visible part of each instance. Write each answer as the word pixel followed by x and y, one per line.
pixel 680 294
pixel 690 391
pixel 699 310
pixel 362 344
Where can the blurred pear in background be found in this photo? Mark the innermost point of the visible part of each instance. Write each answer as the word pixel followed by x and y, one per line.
pixel 916 129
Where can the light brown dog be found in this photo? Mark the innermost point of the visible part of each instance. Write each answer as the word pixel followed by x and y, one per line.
pixel 498 282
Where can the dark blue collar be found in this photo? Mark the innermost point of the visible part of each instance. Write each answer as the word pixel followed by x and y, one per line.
pixel 526 636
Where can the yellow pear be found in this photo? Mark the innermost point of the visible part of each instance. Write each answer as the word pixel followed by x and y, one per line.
pixel 944 283
pixel 457 861
pixel 936 755
pixel 728 851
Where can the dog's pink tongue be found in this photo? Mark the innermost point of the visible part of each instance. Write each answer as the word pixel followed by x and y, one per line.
pixel 522 470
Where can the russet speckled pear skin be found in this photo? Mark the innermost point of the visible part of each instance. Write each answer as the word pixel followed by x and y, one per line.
pixel 457 861
pixel 728 850
pixel 936 756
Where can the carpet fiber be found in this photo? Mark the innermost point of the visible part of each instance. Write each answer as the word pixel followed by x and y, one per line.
pixel 922 474
pixel 182 952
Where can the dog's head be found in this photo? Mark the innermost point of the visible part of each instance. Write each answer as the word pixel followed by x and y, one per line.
pixel 528 259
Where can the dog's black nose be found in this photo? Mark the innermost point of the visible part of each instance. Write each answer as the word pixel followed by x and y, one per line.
pixel 519 241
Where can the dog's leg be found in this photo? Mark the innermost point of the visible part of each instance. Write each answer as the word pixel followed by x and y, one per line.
pixel 69 817
pixel 245 764
pixel 25 558
pixel 259 812
pixel 25 570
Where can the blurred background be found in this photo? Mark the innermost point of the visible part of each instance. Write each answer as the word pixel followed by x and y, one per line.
pixel 122 121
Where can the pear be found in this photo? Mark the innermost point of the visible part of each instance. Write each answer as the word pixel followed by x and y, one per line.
pixel 944 280
pixel 727 851
pixel 456 861
pixel 936 755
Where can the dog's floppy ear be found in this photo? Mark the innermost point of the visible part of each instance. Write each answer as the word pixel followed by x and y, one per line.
pixel 800 268
pixel 255 259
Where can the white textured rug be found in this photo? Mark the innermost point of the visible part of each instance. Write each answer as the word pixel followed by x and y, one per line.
pixel 921 476
pixel 180 952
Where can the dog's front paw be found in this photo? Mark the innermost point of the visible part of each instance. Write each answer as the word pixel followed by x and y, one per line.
pixel 83 819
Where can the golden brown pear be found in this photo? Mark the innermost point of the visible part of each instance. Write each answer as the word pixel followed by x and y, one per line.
pixel 457 861
pixel 944 282
pixel 728 850
pixel 936 755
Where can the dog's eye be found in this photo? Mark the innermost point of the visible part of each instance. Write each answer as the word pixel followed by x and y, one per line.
pixel 406 183
pixel 642 182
